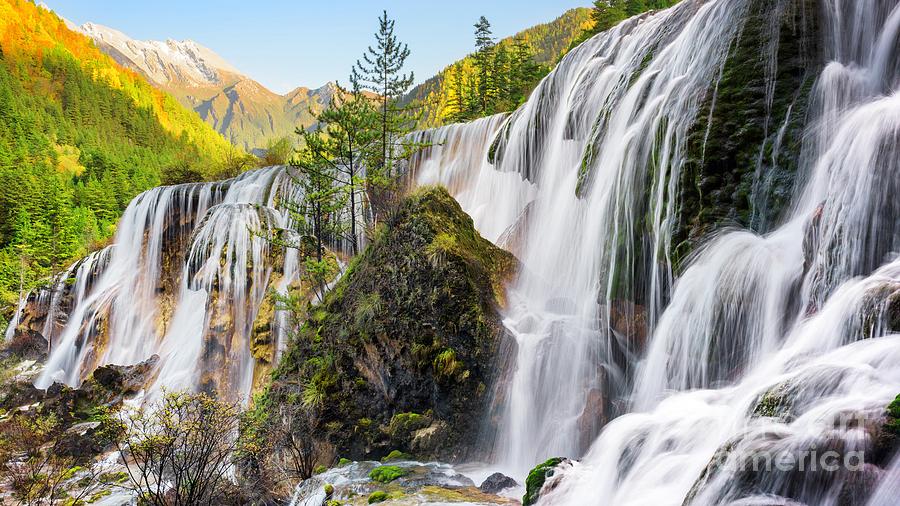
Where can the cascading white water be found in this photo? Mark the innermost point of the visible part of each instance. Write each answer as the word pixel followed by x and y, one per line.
pixel 614 107
pixel 750 312
pixel 184 279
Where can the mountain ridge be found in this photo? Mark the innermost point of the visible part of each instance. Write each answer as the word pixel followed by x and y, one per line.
pixel 238 107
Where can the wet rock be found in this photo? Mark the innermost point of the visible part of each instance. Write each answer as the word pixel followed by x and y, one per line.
pixel 538 477
pixel 496 483
pixel 125 380
pixel 26 344
pixel 428 439
pixel 592 418
pixel 19 393
pixel 82 441
pixel 724 181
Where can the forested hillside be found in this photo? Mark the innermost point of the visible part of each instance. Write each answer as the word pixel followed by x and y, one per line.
pixel 79 138
pixel 526 57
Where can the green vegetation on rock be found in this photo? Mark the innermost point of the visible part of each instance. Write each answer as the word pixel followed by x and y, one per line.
pixel 893 410
pixel 387 474
pixel 536 479
pixel 733 173
pixel 378 496
pixel 396 455
pixel 407 372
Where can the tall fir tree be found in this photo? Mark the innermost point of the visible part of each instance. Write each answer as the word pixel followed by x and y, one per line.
pixel 381 71
pixel 484 62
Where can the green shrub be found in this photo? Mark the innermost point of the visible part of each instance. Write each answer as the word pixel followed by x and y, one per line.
pixel 445 363
pixel 893 423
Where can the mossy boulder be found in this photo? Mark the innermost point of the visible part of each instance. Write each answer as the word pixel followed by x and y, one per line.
pixel 403 346
pixel 536 479
pixel 377 497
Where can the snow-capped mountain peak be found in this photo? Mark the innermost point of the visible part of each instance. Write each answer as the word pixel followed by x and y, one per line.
pixel 166 63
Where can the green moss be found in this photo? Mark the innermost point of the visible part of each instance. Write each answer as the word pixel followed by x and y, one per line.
pixel 387 474
pixel 378 496
pixel 344 462
pixel 893 423
pixel 329 489
pixel 396 455
pixel 732 174
pixel 367 309
pixel 775 403
pixel 403 424
pixel 445 363
pixel 536 479
pixel 320 469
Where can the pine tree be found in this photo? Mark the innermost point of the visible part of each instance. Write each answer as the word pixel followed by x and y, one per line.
pixel 381 71
pixel 607 14
pixel 346 131
pixel 635 7
pixel 484 62
pixel 457 102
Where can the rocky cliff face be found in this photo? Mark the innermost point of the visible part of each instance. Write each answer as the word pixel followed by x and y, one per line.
pixel 400 356
pixel 744 149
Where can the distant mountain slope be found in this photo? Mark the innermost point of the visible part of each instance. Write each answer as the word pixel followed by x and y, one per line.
pixel 549 41
pixel 249 115
pixel 241 109
pixel 80 136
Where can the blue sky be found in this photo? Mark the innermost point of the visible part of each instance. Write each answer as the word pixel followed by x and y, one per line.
pixel 285 44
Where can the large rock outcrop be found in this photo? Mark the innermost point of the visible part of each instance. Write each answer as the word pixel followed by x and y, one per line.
pixel 401 354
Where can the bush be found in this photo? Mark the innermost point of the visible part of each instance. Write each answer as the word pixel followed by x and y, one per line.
pixel 178 450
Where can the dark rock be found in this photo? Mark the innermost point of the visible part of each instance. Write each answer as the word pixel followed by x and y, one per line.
pixel 81 441
pixel 125 379
pixel 720 185
pixel 593 417
pixel 19 393
pixel 496 483
pixel 26 344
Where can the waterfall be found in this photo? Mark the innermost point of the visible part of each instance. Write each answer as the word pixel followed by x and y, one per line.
pixel 599 149
pixel 666 376
pixel 185 278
